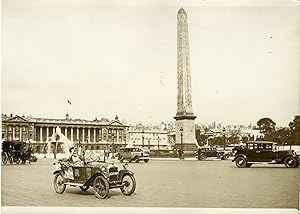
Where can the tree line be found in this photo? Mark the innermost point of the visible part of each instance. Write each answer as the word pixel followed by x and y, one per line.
pixel 289 135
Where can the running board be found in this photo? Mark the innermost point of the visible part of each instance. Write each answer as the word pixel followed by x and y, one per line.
pixel 73 184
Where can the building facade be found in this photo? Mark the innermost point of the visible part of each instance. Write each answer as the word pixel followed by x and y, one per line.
pixel 151 137
pixel 94 134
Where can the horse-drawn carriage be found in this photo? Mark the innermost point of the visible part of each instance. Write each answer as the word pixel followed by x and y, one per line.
pixel 16 152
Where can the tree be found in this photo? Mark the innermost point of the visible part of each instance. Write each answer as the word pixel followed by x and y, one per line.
pixel 295 130
pixel 283 136
pixel 267 127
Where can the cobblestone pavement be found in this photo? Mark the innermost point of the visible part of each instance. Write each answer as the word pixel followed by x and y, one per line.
pixel 163 183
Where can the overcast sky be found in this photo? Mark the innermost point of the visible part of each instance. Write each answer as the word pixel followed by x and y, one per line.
pixel 120 58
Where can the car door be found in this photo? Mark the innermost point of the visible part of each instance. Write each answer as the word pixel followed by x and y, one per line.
pixel 266 152
pixel 252 153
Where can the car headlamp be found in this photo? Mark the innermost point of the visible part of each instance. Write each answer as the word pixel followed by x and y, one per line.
pixel 125 165
pixel 103 168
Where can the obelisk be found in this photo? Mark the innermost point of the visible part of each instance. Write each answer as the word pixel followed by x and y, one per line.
pixel 185 127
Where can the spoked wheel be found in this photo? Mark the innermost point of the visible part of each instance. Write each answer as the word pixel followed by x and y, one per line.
pixel 17 160
pixel 129 185
pixel 290 162
pixel 101 187
pixel 241 162
pixel 10 160
pixel 84 188
pixel 4 158
pixel 59 185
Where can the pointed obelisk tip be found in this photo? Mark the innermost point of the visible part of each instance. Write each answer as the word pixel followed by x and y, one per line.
pixel 181 10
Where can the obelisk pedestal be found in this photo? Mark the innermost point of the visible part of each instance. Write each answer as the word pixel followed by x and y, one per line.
pixel 185 127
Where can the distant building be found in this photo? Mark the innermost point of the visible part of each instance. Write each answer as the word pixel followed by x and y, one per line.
pixel 152 137
pixel 92 134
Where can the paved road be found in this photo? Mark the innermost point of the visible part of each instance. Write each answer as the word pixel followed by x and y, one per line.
pixel 163 183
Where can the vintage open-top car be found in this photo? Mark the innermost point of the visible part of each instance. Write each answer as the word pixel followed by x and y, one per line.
pixel 263 151
pixel 204 152
pixel 100 175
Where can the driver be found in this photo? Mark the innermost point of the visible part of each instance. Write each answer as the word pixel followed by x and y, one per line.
pixel 75 159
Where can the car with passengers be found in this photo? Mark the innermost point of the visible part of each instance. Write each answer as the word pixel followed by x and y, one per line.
pixel 133 154
pixel 77 171
pixel 254 152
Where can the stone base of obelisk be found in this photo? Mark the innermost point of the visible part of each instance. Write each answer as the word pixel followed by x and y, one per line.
pixel 185 135
pixel 189 150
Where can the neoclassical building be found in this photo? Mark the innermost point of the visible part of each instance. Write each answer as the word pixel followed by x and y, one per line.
pixel 152 137
pixel 92 134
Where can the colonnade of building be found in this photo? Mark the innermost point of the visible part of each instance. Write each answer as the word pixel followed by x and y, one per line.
pixel 17 132
pixel 83 134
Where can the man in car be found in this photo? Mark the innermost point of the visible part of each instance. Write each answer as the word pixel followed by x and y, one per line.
pixel 76 156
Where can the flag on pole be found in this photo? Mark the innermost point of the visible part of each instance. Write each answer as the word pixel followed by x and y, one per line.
pixel 69 102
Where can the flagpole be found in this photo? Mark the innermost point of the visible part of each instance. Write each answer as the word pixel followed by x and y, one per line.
pixel 69 103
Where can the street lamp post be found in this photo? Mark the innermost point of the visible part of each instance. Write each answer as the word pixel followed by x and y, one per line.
pixel 181 134
pixel 143 138
pixel 224 138
pixel 158 139
pixel 113 142
pixel 106 139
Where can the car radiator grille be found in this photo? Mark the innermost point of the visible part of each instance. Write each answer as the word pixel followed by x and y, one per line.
pixel 113 170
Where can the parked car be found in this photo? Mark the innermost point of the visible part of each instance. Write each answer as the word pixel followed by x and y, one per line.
pixel 133 154
pixel 263 151
pixel 100 175
pixel 204 152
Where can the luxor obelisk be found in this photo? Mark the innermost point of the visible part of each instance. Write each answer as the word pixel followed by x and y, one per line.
pixel 185 127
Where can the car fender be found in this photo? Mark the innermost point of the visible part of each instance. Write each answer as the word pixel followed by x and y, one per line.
pixel 124 172
pixel 90 181
pixel 58 171
pixel 290 155
pixel 241 155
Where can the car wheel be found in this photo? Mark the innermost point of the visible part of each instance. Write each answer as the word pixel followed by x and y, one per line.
pixel 290 162
pixel 202 157
pixel 146 160
pixel 18 160
pixel 225 157
pixel 241 162
pixel 129 184
pixel 84 188
pixel 101 187
pixel 59 185
pixel 220 156
pixel 4 158
pixel 11 160
pixel 136 159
